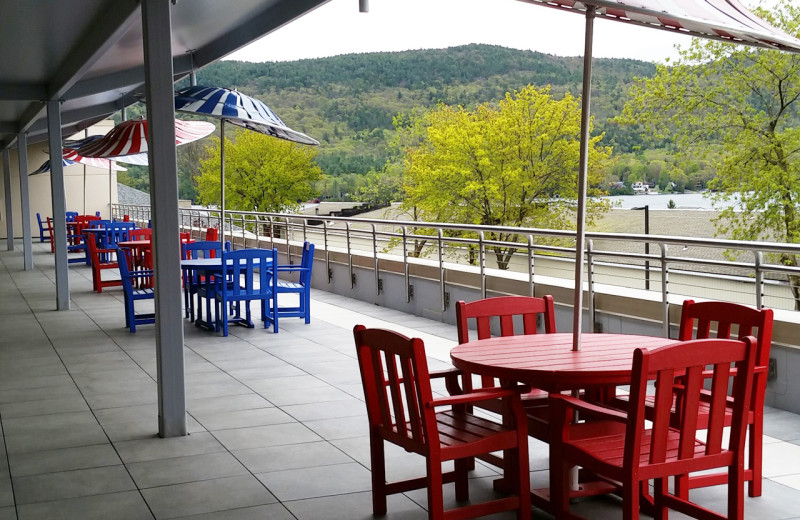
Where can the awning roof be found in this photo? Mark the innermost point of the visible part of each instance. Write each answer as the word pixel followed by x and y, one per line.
pixel 89 53
pixel 726 20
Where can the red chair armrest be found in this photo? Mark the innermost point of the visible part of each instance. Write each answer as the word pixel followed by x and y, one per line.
pixel 564 402
pixel 484 394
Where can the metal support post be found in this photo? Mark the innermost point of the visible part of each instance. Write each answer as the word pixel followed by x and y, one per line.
pixel 157 31
pixel 59 204
pixel 25 200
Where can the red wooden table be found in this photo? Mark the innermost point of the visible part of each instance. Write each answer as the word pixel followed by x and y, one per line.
pixel 547 361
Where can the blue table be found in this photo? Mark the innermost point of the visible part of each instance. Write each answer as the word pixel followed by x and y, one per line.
pixel 208 267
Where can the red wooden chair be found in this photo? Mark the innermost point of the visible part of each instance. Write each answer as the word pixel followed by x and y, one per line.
pixel 628 450
pixel 212 234
pixel 501 311
pixel 401 410
pixel 101 260
pixel 52 236
pixel 697 321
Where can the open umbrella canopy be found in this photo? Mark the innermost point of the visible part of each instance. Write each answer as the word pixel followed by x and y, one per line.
pixel 45 167
pixel 726 20
pixel 139 159
pixel 73 156
pixel 130 137
pixel 238 109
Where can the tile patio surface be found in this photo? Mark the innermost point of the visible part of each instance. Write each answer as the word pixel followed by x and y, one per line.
pixel 277 422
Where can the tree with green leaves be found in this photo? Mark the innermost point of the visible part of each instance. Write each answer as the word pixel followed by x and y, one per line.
pixel 513 164
pixel 739 106
pixel 261 173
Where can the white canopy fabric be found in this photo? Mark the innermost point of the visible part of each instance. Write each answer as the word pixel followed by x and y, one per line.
pixel 726 20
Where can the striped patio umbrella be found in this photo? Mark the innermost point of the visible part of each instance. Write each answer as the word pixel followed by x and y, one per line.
pixel 45 167
pixel 240 110
pixel 724 20
pixel 139 159
pixel 130 137
pixel 98 162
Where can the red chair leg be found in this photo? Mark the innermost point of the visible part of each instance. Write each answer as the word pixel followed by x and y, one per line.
pixel 378 467
pixel 435 496
pixel 462 482
pixel 755 446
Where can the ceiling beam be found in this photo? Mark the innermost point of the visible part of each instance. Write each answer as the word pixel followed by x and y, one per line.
pixel 105 30
pixel 22 92
pixel 126 80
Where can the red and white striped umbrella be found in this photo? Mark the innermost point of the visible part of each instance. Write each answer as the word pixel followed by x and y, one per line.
pixel 72 155
pixel 130 137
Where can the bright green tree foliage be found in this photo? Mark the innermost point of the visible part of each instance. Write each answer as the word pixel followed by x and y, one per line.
pixel 514 164
pixel 261 172
pixel 743 105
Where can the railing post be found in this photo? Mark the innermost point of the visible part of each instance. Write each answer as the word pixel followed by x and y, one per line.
pixel 482 263
pixel 759 280
pixel 349 256
pixel 327 251
pixel 590 281
pixel 665 288
pixel 530 266
pixel 405 265
pixel 244 230
pixel 378 286
pixel 442 291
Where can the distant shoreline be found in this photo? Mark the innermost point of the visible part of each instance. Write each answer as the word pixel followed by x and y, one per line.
pixel 676 222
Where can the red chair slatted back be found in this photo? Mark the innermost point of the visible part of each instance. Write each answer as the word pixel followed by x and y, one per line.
pixel 679 377
pixel 394 373
pixel 698 319
pixel 504 309
pixel 140 234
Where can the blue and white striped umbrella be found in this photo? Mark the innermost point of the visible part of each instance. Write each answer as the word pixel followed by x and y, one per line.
pixel 238 109
pixel 45 167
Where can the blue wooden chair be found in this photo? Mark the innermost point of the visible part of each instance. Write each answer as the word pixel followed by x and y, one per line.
pixel 194 282
pixel 302 287
pixel 136 286
pixel 70 215
pixel 117 232
pixel 249 275
pixel 44 230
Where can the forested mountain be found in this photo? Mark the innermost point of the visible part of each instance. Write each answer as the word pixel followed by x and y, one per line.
pixel 348 102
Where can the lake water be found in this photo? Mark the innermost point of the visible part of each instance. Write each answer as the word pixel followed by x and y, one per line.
pixel 697 201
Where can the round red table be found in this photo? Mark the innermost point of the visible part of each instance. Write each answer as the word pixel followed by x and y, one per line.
pixel 547 361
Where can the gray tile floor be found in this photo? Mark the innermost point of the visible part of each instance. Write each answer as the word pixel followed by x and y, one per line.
pixel 277 422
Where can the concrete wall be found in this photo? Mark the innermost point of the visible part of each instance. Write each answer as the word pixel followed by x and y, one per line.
pixel 620 313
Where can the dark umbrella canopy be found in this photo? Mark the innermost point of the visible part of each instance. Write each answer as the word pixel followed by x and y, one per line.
pixel 240 110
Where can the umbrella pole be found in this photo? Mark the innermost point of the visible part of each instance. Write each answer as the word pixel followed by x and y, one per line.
pixel 586 98
pixel 222 182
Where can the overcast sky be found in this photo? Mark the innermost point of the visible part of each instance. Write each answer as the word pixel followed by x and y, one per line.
pixel 393 25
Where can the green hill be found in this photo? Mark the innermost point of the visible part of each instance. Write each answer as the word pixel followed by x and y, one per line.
pixel 348 102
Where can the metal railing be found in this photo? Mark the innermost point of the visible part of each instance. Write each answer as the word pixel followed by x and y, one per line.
pixel 746 272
